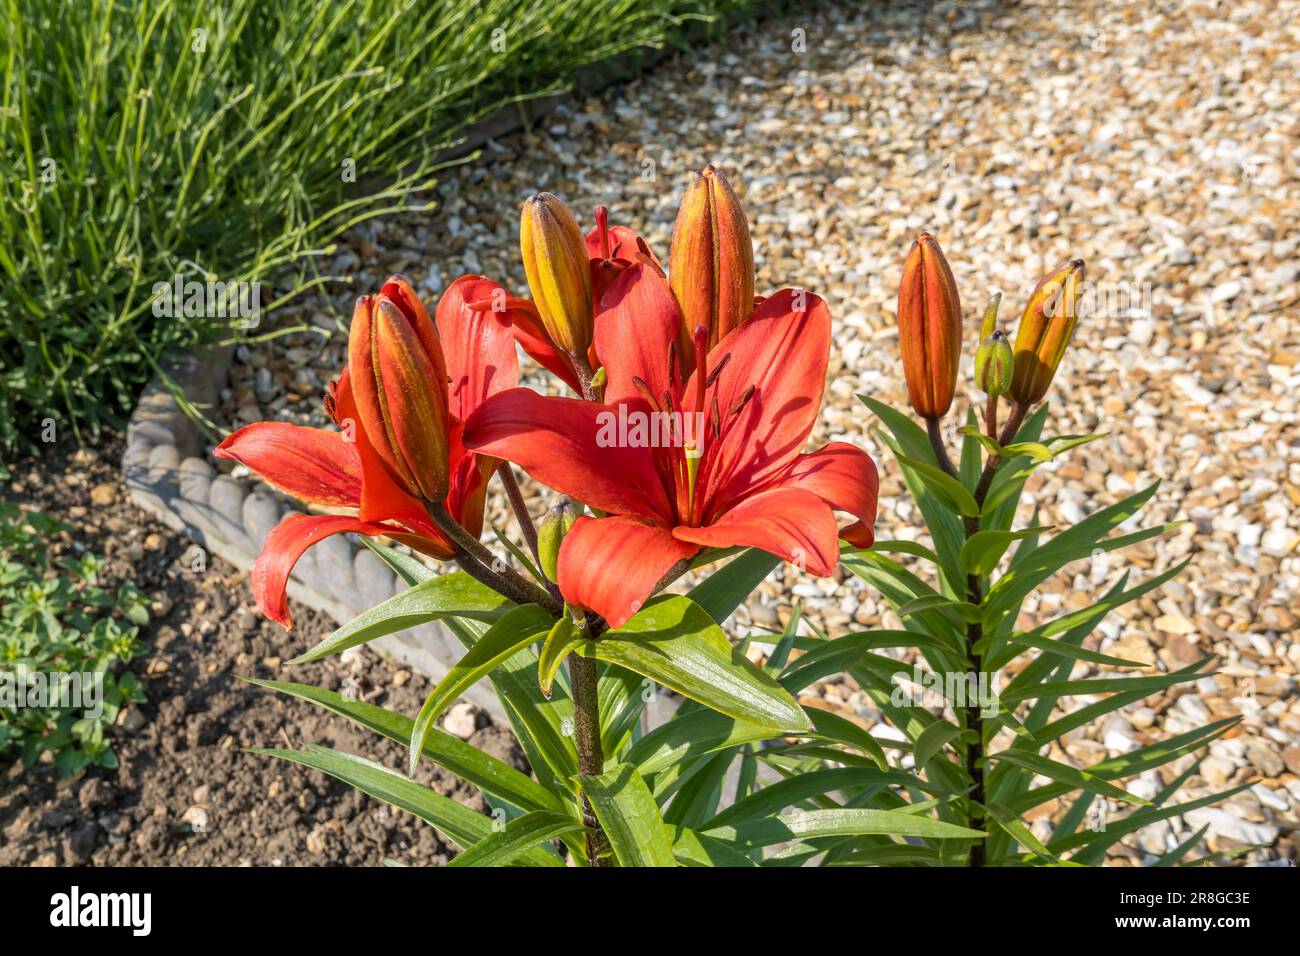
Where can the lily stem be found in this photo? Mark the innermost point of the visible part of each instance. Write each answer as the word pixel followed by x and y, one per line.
pixel 586 735
pixel 517 503
pixel 936 442
pixel 484 566
pixel 974 718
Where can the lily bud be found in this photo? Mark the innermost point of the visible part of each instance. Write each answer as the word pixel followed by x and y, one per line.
pixel 559 518
pixel 399 382
pixel 559 274
pixel 929 328
pixel 994 364
pixel 1045 331
pixel 711 262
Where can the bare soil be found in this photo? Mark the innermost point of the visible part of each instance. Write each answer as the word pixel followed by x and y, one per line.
pixel 188 752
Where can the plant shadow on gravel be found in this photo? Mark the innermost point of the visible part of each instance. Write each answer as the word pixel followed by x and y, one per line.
pixel 185 793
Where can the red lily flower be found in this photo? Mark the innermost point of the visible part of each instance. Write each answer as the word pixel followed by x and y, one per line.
pixel 737 480
pixel 345 469
pixel 611 250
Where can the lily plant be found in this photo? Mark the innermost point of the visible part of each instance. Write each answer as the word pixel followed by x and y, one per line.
pixel 680 449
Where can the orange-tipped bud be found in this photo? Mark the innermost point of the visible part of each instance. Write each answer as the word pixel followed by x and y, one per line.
pixel 399 381
pixel 929 328
pixel 559 274
pixel 711 263
pixel 1045 331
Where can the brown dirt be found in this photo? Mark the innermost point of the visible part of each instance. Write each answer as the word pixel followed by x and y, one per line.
pixel 199 717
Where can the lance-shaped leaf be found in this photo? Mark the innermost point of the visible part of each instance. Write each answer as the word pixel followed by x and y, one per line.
pixel 629 816
pixel 449 595
pixel 1071 776
pixel 727 588
pixel 802 786
pixel 944 486
pixel 457 822
pixel 675 642
pixel 538 723
pixel 515 631
pixel 692 849
pixel 984 549
pixel 805 824
pixel 472 765
pixel 517 837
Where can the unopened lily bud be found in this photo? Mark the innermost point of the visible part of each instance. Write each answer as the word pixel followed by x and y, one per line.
pixel 559 518
pixel 1045 331
pixel 399 382
pixel 994 364
pixel 559 273
pixel 929 328
pixel 711 262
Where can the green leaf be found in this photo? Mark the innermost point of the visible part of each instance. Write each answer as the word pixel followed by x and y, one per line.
pixel 1099 685
pixel 1015 828
pixel 674 641
pixel 932 740
pixel 1071 776
pixel 1115 829
pixel 836 656
pixel 684 738
pixel 449 595
pixel 457 822
pixel 1063 649
pixel 727 588
pixel 538 723
pixel 984 549
pixel 802 786
pixel 937 602
pixel 805 824
pixel 842 730
pixel 1180 851
pixel 562 639
pixel 944 486
pixel 913 548
pixel 407 567
pixel 516 630
pixel 472 765
pixel 517 837
pixel 629 816
pixel 692 849
pixel 910 439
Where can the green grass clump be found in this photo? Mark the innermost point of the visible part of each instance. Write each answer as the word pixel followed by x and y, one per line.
pixel 145 139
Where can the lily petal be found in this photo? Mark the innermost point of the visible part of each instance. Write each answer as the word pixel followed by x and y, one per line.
pixel 610 565
pixel 789 522
pixel 845 478
pixel 477 342
pixel 635 331
pixel 286 544
pixel 781 351
pixel 527 327
pixel 567 444
pixel 312 464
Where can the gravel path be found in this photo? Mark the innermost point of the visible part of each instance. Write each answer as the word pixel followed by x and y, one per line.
pixel 1157 141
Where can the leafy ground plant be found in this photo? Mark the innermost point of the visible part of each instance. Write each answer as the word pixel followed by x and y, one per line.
pixel 63 639
pixel 682 450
